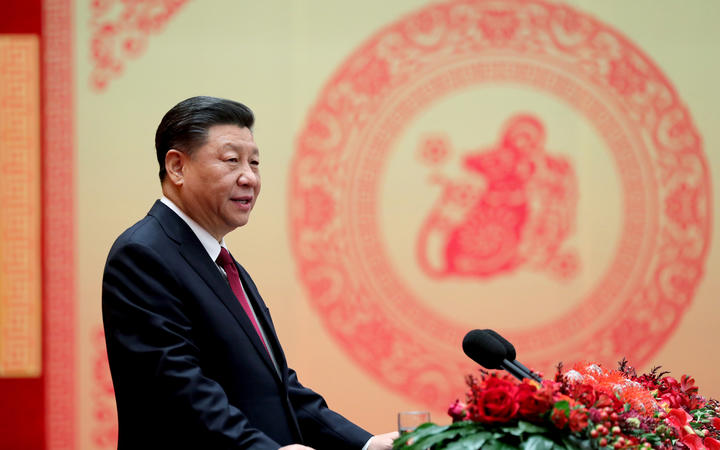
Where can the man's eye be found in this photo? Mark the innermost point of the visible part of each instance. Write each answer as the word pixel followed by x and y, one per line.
pixel 255 163
pixel 232 160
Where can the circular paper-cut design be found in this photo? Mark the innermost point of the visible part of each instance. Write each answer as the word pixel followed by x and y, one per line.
pixel 399 252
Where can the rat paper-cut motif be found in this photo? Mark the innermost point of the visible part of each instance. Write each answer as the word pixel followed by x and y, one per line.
pixel 518 209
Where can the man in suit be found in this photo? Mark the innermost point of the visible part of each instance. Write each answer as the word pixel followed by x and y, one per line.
pixel 194 356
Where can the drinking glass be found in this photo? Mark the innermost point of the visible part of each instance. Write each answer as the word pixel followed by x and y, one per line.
pixel 409 420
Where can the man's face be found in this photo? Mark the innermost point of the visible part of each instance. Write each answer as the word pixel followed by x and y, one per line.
pixel 221 180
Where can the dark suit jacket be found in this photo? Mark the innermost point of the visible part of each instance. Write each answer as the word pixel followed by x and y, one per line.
pixel 189 369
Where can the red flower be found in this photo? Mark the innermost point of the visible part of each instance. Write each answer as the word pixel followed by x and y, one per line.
pixel 679 419
pixel 711 444
pixel 693 442
pixel 605 400
pixel 578 420
pixel 623 406
pixel 458 411
pixel 680 394
pixel 585 394
pixel 496 402
pixel 531 402
pixel 715 423
pixel 559 418
pixel 687 384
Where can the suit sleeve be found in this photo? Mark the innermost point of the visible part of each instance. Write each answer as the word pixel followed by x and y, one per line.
pixel 154 361
pixel 323 427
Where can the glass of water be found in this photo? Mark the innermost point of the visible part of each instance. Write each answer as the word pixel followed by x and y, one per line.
pixel 409 420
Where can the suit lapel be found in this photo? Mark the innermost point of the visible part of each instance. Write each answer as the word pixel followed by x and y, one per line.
pixel 264 318
pixel 194 253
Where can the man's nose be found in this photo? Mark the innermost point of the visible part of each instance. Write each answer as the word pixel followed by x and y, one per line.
pixel 248 177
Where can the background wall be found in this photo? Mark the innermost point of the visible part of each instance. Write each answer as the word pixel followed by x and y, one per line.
pixel 293 63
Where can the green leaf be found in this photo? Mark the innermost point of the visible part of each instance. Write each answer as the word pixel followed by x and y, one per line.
pixel 420 432
pixel 513 430
pixel 470 442
pixel 429 434
pixel 563 405
pixel 522 427
pixel 537 442
pixel 497 444
pixel 528 427
pixel 429 441
pixel 572 442
pixel 451 434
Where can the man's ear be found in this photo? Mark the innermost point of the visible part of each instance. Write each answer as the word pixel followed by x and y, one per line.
pixel 175 166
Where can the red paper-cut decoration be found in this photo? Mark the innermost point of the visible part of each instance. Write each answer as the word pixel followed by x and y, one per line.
pixel 521 217
pixel 120 31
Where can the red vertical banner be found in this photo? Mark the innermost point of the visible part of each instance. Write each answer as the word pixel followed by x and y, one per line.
pixel 59 224
pixel 20 278
pixel 21 315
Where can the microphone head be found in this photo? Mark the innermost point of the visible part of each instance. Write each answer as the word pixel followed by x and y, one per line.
pixel 510 354
pixel 484 349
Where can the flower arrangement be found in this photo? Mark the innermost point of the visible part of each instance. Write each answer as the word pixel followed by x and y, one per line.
pixel 587 407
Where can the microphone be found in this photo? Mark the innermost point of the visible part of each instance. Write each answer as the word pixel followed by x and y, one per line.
pixel 485 349
pixel 511 355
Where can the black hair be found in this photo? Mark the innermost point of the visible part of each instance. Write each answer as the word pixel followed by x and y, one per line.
pixel 185 126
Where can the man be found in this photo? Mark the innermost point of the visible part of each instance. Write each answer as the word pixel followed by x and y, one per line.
pixel 194 357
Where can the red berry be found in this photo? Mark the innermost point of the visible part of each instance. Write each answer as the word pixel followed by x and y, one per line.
pixel 594 434
pixel 603 442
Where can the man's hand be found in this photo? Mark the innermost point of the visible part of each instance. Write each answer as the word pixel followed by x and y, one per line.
pixel 295 447
pixel 383 441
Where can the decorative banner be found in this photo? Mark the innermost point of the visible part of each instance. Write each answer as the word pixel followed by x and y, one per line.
pixel 60 301
pixel 20 268
pixel 516 165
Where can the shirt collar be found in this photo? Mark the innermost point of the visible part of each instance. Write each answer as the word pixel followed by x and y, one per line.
pixel 211 246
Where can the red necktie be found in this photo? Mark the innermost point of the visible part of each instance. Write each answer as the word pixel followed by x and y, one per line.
pixel 227 263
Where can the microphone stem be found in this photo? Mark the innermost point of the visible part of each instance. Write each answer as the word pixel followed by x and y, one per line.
pixel 519 371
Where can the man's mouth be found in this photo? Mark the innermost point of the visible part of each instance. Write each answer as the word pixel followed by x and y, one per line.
pixel 245 200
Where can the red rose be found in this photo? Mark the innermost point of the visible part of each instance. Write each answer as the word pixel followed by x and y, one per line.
pixel 559 418
pixel 578 420
pixel 496 402
pixel 531 402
